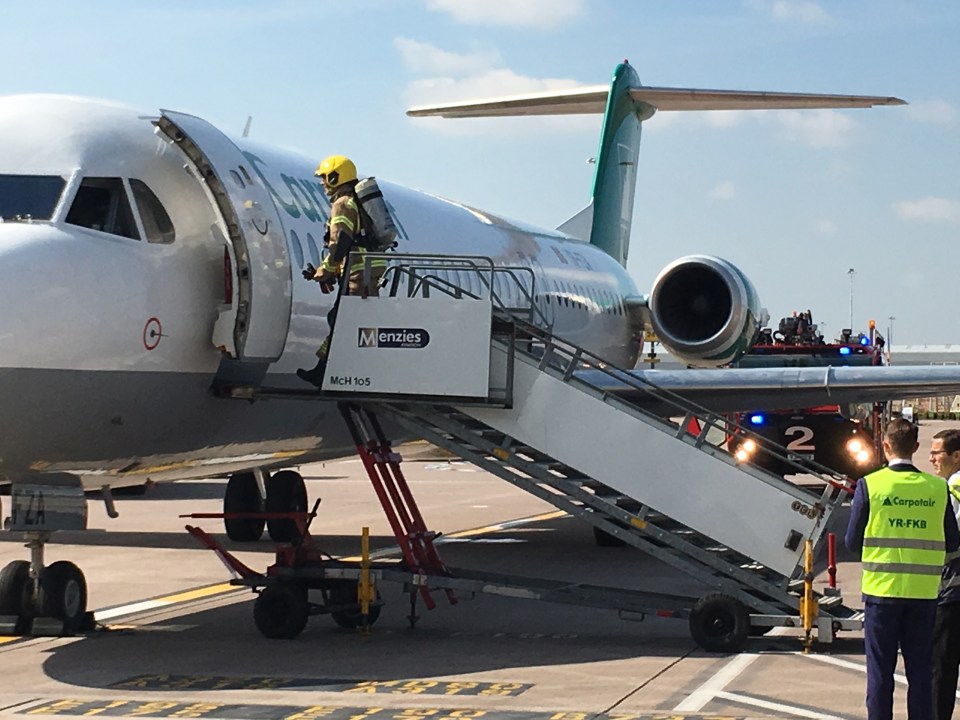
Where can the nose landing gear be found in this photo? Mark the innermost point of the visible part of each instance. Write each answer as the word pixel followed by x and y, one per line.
pixel 43 600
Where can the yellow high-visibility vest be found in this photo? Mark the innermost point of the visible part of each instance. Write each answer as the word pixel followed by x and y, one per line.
pixel 903 544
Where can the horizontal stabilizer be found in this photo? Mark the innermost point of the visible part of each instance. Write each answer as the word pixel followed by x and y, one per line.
pixel 593 99
pixel 748 389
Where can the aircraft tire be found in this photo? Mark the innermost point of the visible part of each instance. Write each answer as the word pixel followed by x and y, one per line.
pixel 14 579
pixel 286 492
pixel 243 496
pixel 63 594
pixel 280 611
pixel 720 623
pixel 352 618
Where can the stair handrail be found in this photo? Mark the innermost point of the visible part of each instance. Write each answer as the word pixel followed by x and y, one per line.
pixel 577 357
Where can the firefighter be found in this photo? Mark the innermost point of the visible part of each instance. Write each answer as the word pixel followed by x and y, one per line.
pixel 342 239
pixel 903 526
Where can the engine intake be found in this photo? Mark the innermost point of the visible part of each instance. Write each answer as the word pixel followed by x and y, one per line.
pixel 705 311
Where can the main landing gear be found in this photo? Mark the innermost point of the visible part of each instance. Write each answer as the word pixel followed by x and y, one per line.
pixel 285 493
pixel 43 600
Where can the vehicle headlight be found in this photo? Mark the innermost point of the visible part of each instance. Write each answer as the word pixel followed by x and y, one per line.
pixel 746 449
pixel 859 451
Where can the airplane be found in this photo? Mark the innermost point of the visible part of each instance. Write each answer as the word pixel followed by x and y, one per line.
pixel 149 260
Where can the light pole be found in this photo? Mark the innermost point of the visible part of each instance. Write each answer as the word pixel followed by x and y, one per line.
pixel 851 272
pixel 890 331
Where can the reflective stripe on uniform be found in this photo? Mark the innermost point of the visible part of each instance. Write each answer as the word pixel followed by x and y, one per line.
pixel 345 221
pixel 905 543
pixel 911 568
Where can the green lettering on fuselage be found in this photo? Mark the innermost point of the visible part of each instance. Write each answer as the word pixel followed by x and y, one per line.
pixel 301 198
pixel 289 207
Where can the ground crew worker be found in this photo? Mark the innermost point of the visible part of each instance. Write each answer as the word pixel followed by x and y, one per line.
pixel 945 458
pixel 339 177
pixel 903 526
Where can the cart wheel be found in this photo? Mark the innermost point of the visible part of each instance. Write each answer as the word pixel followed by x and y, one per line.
pixel 63 594
pixel 280 611
pixel 285 493
pixel 351 618
pixel 242 496
pixel 720 623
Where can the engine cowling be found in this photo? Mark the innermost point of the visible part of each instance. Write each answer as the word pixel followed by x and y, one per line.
pixel 705 311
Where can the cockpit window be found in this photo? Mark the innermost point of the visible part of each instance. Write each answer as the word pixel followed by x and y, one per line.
pixel 102 204
pixel 29 197
pixel 156 222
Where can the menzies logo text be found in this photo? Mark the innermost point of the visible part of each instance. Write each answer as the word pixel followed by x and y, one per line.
pixel 393 337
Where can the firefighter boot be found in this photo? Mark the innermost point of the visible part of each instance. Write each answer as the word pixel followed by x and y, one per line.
pixel 314 376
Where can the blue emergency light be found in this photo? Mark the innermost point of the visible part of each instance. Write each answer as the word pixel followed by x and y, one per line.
pixel 757 419
pixel 864 340
pixel 844 351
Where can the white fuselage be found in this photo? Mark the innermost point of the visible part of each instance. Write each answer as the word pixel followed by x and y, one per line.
pixel 107 349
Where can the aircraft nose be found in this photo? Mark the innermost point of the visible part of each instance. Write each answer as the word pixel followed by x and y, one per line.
pixel 56 294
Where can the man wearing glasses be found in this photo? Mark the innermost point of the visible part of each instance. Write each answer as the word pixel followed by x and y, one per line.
pixel 902 525
pixel 945 458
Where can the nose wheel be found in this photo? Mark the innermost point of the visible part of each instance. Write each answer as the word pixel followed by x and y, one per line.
pixel 39 600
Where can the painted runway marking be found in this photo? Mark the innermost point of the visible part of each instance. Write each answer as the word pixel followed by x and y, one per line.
pixel 222 711
pixel 777 707
pixel 374 687
pixel 708 690
pixel 165 601
pixel 462 535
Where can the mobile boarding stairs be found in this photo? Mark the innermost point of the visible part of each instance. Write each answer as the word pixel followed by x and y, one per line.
pixel 459 352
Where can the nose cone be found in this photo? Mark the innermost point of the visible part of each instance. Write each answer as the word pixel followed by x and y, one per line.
pixel 67 296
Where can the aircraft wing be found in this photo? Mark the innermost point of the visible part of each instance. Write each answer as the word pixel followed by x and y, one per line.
pixel 593 99
pixel 735 389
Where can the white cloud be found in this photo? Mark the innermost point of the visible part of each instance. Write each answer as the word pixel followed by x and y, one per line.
pixel 792 11
pixel 423 58
pixel 515 13
pixel 817 128
pixel 929 209
pixel 826 227
pixel 813 128
pixel 451 76
pixel 935 112
pixel 723 191
pixel 724 118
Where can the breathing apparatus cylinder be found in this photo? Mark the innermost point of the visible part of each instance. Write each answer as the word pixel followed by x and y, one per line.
pixel 383 234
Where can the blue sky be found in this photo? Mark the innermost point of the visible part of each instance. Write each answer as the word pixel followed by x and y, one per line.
pixel 794 199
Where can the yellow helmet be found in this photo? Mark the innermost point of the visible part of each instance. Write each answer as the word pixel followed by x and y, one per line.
pixel 336 170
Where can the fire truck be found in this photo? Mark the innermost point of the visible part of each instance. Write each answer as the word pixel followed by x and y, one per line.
pixel 847 439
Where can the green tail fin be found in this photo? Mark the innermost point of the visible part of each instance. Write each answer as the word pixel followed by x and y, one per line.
pixel 614 181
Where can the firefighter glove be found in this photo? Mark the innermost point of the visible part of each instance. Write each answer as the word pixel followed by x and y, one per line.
pixel 309 272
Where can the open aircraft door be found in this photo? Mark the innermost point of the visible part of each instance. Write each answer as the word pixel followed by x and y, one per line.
pixel 261 266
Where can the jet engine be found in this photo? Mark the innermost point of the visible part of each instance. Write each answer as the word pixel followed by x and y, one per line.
pixel 705 311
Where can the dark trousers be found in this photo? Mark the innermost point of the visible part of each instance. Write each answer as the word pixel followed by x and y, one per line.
pixel 946 659
pixel 907 625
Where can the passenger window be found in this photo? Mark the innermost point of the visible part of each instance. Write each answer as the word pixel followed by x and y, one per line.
pixel 297 248
pixel 101 204
pixel 314 252
pixel 156 223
